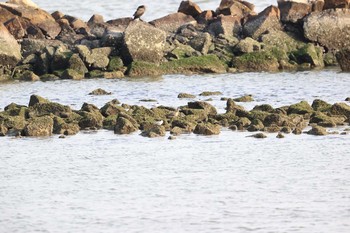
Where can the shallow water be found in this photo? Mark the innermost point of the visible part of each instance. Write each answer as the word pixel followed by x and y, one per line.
pixel 101 182
pixel 84 9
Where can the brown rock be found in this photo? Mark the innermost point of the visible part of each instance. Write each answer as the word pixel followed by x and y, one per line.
pixel 189 8
pixel 10 50
pixel 5 15
pixel 121 23
pixel 57 15
pixel 317 5
pixel 206 16
pixel 207 129
pixel 293 11
pixel 39 127
pixel 96 19
pixel 235 8
pixel 124 126
pixel 227 25
pixel 332 4
pixel 154 131
pixel 268 19
pixel 321 27
pixel 172 22
pixel 36 16
pixel 210 109
pixel 317 131
pixel 14 26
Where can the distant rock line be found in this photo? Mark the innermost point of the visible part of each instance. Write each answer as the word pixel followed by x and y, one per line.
pixel 295 35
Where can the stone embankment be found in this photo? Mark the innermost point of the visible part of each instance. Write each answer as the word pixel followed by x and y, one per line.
pixel 43 118
pixel 36 45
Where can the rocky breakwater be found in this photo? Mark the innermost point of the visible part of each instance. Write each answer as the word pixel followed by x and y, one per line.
pixel 44 118
pixel 36 45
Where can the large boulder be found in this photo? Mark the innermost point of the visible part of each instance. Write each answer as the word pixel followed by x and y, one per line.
pixel 143 42
pixel 39 127
pixel 172 22
pixel 207 129
pixel 36 16
pixel 124 126
pixel 10 50
pixel 189 8
pixel 227 25
pixel 23 3
pixel 267 20
pixel 293 11
pixel 321 27
pixel 343 58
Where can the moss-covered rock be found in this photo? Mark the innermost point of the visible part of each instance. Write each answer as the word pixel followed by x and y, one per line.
pixel 320 105
pixel 47 108
pixel 90 117
pixel 28 76
pixel 141 68
pixel 124 126
pixel 72 74
pixel 154 131
pixel 77 64
pixel 317 131
pixel 115 64
pixel 35 99
pixel 208 108
pixel 100 91
pixel 111 108
pixel 210 93
pixel 186 96
pixel 258 135
pixel 309 54
pixel 341 109
pixel 60 126
pixel 207 129
pixel 264 108
pixel 39 127
pixel 303 107
pixel 256 62
pixel 246 98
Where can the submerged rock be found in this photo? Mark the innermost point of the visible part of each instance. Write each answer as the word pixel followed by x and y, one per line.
pixel 186 96
pixel 100 91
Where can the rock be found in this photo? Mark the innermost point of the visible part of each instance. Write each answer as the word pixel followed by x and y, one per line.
pixel 77 64
pixel 172 22
pixel 280 135
pixel 332 4
pixel 171 137
pixel 264 108
pixel 37 17
pixel 320 105
pixel 246 98
pixel 143 42
pixel 300 108
pixel 343 58
pixel 3 130
pixel 111 108
pixel 347 99
pixel 124 126
pixel 207 129
pixel 60 126
pixel 206 16
pixel 210 93
pixel 275 120
pixel 90 117
pixel 258 135
pixel 186 96
pixel 39 127
pixel 189 8
pixel 57 15
pixel 34 99
pixel 154 131
pixel 71 74
pixel 120 24
pixel 14 26
pixel 96 19
pixel 97 58
pixel 247 45
pixel 256 62
pixel 60 59
pixel 10 50
pixel 267 20
pixel 293 11
pixel 115 64
pixel 318 131
pixel 320 27
pixel 29 76
pixel 309 54
pixel 42 108
pixel 100 91
pixel 322 119
pixel 201 43
pixel 341 109
pixel 285 41
pixel 235 8
pixel 210 109
pixel 23 3
pixel 227 25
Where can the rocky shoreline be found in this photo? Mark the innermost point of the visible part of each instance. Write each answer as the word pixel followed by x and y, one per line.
pixel 295 35
pixel 43 118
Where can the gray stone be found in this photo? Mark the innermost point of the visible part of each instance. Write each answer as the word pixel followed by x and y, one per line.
pixel 172 22
pixel 227 25
pixel 143 42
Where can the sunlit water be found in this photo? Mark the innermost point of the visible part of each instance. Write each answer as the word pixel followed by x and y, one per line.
pixel 101 182
pixel 84 9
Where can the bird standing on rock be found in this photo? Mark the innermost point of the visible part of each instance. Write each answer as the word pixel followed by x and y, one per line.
pixel 139 12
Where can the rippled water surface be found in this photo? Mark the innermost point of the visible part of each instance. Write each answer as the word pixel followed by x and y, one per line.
pixel 117 8
pixel 101 182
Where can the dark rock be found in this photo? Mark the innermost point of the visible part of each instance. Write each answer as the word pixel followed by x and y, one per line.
pixel 57 15
pixel 246 98
pixel 189 8
pixel 186 95
pixel 292 11
pixel 301 108
pixel 309 54
pixel 341 109
pixel 143 42
pixel 34 99
pixel 15 27
pixel 332 4
pixel 90 117
pixel 172 22
pixel 317 131
pixel 206 16
pixel 10 51
pixel 258 135
pixel 343 58
pixel 264 108
pixel 31 46
pixel 235 8
pixel 60 126
pixel 111 108
pixel 39 127
pixel 321 27
pixel 207 129
pixel 227 25
pixel 267 20
pixel 280 135
pixel 201 43
pixel 275 120
pixel 46 108
pixel 347 99
pixel 124 126
pixel 171 137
